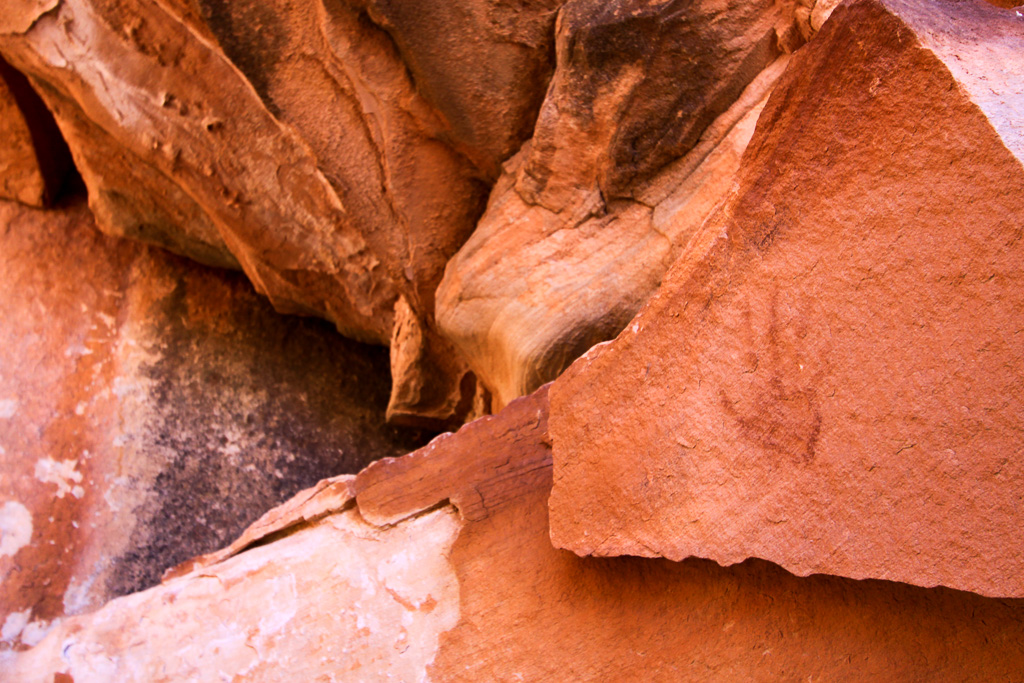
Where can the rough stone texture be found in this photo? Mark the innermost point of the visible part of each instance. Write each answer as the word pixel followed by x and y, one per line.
pixel 144 77
pixel 830 378
pixel 484 466
pixel 34 160
pixel 339 152
pixel 444 572
pixel 636 84
pixel 811 15
pixel 650 108
pixel 484 65
pixel 150 409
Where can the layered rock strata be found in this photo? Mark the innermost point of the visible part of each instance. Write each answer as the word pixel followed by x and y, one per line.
pixel 638 139
pixel 829 377
pixel 150 409
pixel 339 153
pixel 441 569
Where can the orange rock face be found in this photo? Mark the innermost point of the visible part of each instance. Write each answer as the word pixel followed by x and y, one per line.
pixel 338 153
pixel 638 139
pixel 33 157
pixel 829 377
pixel 797 460
pixel 150 409
pixel 447 574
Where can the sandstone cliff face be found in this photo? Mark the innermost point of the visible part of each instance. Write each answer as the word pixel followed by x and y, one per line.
pixel 828 378
pixel 150 410
pixel 441 569
pixel 341 153
pixel 799 220
pixel 334 159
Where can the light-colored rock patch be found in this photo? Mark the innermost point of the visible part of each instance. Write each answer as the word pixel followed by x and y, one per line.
pixel 15 528
pixel 324 603
pixel 61 473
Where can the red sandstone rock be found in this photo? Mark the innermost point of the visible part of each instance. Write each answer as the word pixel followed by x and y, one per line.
pixel 487 464
pixel 830 378
pixel 149 410
pixel 340 600
pixel 460 583
pixel 153 82
pixel 483 64
pixel 636 84
pixel 33 157
pixel 340 162
pixel 637 141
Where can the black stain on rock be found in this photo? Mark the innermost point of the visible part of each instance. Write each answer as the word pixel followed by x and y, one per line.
pixel 246 408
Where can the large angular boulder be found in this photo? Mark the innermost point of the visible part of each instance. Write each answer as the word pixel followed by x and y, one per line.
pixel 150 409
pixel 338 152
pixel 441 569
pixel 830 376
pixel 638 139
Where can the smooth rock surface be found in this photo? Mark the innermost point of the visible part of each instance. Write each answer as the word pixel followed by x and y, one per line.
pixel 150 409
pixel 830 377
pixel 638 139
pixel 442 570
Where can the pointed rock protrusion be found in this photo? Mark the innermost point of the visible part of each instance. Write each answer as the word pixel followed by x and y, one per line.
pixel 648 113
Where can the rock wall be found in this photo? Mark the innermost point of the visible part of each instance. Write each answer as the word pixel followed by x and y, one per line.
pixel 739 281
pixel 150 410
pixel 343 152
pixel 638 139
pixel 34 161
pixel 448 574
pixel 338 153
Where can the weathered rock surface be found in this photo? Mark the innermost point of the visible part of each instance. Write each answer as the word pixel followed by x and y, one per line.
pixel 650 108
pixel 342 600
pixel 828 380
pixel 830 376
pixel 150 409
pixel 483 64
pixel 327 496
pixel 339 152
pixel 34 160
pixel 442 569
